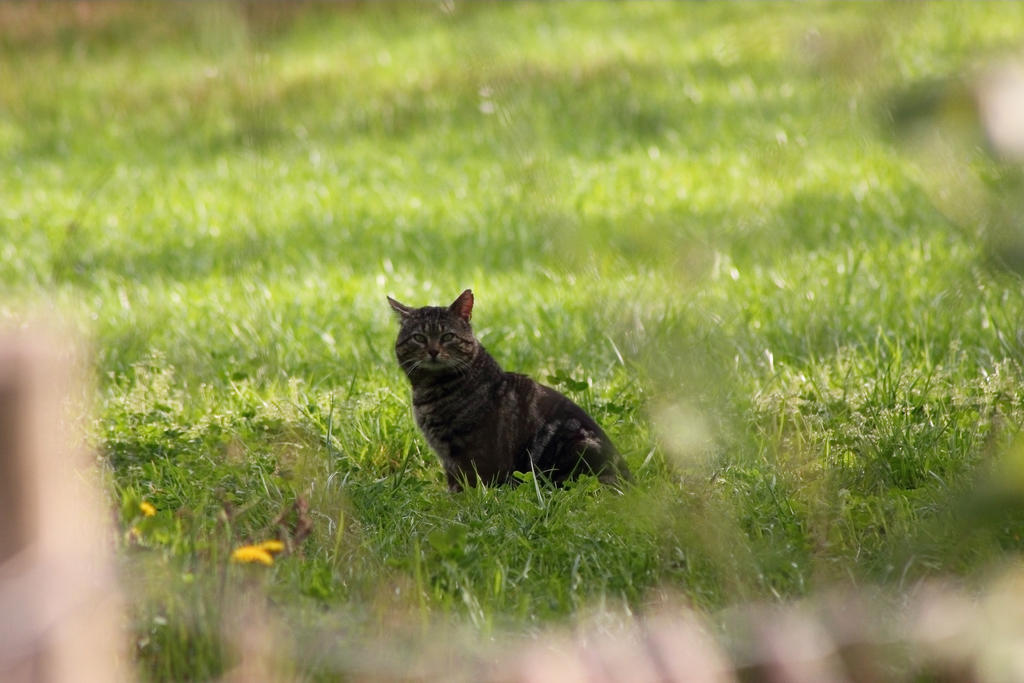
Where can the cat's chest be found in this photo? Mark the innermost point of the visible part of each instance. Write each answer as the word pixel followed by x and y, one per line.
pixel 465 418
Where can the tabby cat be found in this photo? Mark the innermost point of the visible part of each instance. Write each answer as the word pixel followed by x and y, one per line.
pixel 485 423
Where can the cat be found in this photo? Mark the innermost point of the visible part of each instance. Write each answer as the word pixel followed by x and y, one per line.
pixel 485 423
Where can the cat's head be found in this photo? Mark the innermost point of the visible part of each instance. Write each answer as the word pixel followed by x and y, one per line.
pixel 435 339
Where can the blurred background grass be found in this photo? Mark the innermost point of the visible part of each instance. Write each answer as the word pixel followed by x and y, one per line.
pixel 713 225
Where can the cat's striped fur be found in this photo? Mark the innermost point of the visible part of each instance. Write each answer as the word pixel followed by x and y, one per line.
pixel 485 423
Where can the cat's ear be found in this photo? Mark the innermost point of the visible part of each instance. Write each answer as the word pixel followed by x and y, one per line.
pixel 463 306
pixel 400 308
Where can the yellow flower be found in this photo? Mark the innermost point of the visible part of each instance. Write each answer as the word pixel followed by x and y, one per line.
pixel 252 553
pixel 272 546
pixel 147 509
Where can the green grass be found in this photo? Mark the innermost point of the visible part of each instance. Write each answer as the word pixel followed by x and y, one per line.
pixel 694 218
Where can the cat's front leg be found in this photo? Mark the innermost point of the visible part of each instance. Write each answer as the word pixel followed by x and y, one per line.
pixel 454 482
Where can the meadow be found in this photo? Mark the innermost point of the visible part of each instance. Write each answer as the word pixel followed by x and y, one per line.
pixel 765 246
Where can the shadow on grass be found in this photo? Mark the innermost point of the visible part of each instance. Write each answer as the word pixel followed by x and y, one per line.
pixel 420 244
pixel 503 236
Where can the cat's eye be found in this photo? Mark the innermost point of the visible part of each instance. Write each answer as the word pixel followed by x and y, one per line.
pixel 419 338
pixel 447 337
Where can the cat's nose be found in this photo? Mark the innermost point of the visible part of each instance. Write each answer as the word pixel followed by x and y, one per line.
pixel 433 353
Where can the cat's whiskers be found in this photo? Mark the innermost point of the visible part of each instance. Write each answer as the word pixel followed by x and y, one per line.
pixel 411 365
pixel 461 366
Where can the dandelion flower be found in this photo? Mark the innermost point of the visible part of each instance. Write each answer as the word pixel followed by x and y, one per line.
pixel 147 509
pixel 252 553
pixel 272 546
